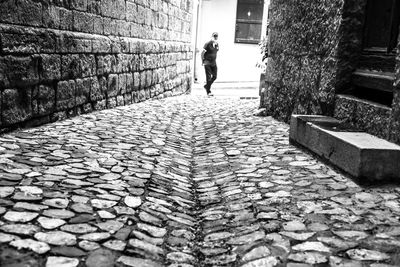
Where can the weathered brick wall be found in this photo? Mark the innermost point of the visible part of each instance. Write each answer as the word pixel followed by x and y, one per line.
pixel 59 58
pixel 301 69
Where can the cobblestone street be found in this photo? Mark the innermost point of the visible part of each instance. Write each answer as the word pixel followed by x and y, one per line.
pixel 184 181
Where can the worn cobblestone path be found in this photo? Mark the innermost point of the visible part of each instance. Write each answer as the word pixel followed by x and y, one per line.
pixel 184 181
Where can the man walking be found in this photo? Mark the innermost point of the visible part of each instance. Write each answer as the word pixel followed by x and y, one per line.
pixel 209 56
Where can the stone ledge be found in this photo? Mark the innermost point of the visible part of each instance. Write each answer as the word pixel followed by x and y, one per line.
pixel 360 154
pixel 368 116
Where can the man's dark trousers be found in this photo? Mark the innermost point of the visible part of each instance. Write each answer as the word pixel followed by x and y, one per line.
pixel 211 75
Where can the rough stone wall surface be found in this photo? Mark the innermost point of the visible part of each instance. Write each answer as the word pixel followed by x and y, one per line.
pixel 65 57
pixel 394 128
pixel 301 70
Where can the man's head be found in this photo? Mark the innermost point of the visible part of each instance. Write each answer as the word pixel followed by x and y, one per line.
pixel 215 35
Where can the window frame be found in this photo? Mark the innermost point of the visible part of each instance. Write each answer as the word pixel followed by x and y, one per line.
pixel 238 21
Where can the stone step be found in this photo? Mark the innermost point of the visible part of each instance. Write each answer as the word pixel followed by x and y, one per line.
pixel 357 153
pixel 374 80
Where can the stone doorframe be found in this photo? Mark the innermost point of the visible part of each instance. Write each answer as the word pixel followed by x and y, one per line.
pixel 350 41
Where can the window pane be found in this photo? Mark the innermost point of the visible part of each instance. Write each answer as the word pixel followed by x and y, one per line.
pixel 248 32
pixel 254 32
pixel 249 11
pixel 242 30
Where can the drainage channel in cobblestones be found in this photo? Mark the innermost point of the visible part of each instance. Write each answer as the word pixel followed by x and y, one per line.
pixel 227 220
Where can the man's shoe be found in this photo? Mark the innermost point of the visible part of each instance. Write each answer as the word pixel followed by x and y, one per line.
pixel 210 94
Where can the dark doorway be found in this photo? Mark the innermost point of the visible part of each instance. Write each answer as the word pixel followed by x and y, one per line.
pixel 381 25
pixel 374 76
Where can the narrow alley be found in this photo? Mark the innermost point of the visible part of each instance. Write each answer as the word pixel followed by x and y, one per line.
pixel 184 181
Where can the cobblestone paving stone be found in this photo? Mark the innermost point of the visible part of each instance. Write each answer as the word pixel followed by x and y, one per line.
pixel 184 181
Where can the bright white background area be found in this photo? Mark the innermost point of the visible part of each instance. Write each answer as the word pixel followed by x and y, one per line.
pixel 236 62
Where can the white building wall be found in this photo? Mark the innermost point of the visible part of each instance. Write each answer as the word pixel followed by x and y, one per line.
pixel 236 62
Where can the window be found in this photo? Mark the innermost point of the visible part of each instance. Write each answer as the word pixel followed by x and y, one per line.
pixel 249 21
pixel 374 77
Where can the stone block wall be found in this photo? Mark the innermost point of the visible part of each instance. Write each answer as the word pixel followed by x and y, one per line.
pixel 60 58
pixel 301 69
